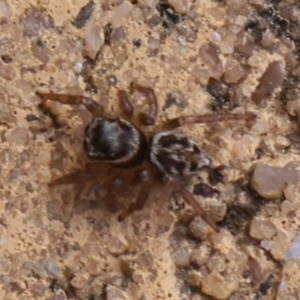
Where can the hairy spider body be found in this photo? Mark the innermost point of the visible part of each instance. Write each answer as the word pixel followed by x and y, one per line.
pixel 118 142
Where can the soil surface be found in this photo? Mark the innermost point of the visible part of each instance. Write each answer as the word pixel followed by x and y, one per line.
pixel 200 57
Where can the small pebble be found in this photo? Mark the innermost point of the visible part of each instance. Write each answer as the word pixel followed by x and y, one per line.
pixel 194 278
pixel 266 244
pixel 38 289
pixel 261 229
pixel 114 293
pixel 271 79
pixel 199 228
pixel 294 250
pixel 233 71
pixel 180 6
pixel 79 281
pixel 269 181
pixel 182 257
pixel 209 54
pixel 18 138
pixel 94 39
pixel 219 287
pixel 279 246
pixel 121 13
pixel 5 11
pixel 117 246
pixel 78 67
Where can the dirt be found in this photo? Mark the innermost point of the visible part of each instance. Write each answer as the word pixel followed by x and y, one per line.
pixel 200 57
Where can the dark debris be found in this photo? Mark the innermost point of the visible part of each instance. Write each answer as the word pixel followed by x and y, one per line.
pixel 84 14
pixel 167 14
pixel 219 92
pixel 205 190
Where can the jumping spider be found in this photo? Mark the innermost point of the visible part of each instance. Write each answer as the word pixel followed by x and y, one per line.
pixel 120 143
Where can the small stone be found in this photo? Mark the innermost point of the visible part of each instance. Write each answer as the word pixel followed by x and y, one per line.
pixel 117 245
pixel 5 11
pixel 50 265
pixel 94 266
pixel 199 228
pixel 121 12
pixel 36 268
pixel 294 250
pixel 94 39
pixel 245 44
pixel 218 286
pixel 78 67
pixel 79 281
pixel 180 6
pixel 114 293
pixel 233 71
pixel 38 289
pixel 217 263
pixel 5 266
pixel 194 278
pixel 260 127
pixel 40 51
pixel 261 229
pixel 35 20
pixel 290 193
pixel 287 207
pixel 59 295
pixel 269 38
pixel 201 75
pixel 266 244
pixel 269 182
pixel 7 72
pixel 282 142
pixel 257 2
pixel 271 79
pixel 97 286
pixel 279 246
pixel 18 138
pixel 209 54
pixel 182 257
pixel 227 43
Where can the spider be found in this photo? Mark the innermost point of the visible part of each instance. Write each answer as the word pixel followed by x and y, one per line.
pixel 120 143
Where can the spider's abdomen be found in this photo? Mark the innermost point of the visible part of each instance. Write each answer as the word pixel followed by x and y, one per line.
pixel 116 142
pixel 176 155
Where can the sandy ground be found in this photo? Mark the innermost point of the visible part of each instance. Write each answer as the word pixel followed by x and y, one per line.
pixel 199 57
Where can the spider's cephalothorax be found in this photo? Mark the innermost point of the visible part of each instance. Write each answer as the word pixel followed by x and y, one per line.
pixel 175 154
pixel 116 142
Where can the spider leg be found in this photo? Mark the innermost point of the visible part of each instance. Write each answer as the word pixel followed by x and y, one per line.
pixel 75 177
pixel 189 198
pixel 92 106
pixel 209 118
pixel 142 197
pixel 115 189
pixel 125 104
pixel 149 117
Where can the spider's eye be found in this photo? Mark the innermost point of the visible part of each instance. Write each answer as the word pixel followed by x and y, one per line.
pixel 115 141
pixel 176 154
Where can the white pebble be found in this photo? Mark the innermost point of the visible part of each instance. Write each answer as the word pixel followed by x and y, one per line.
pixel 294 251
pixel 78 67
pixel 216 36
